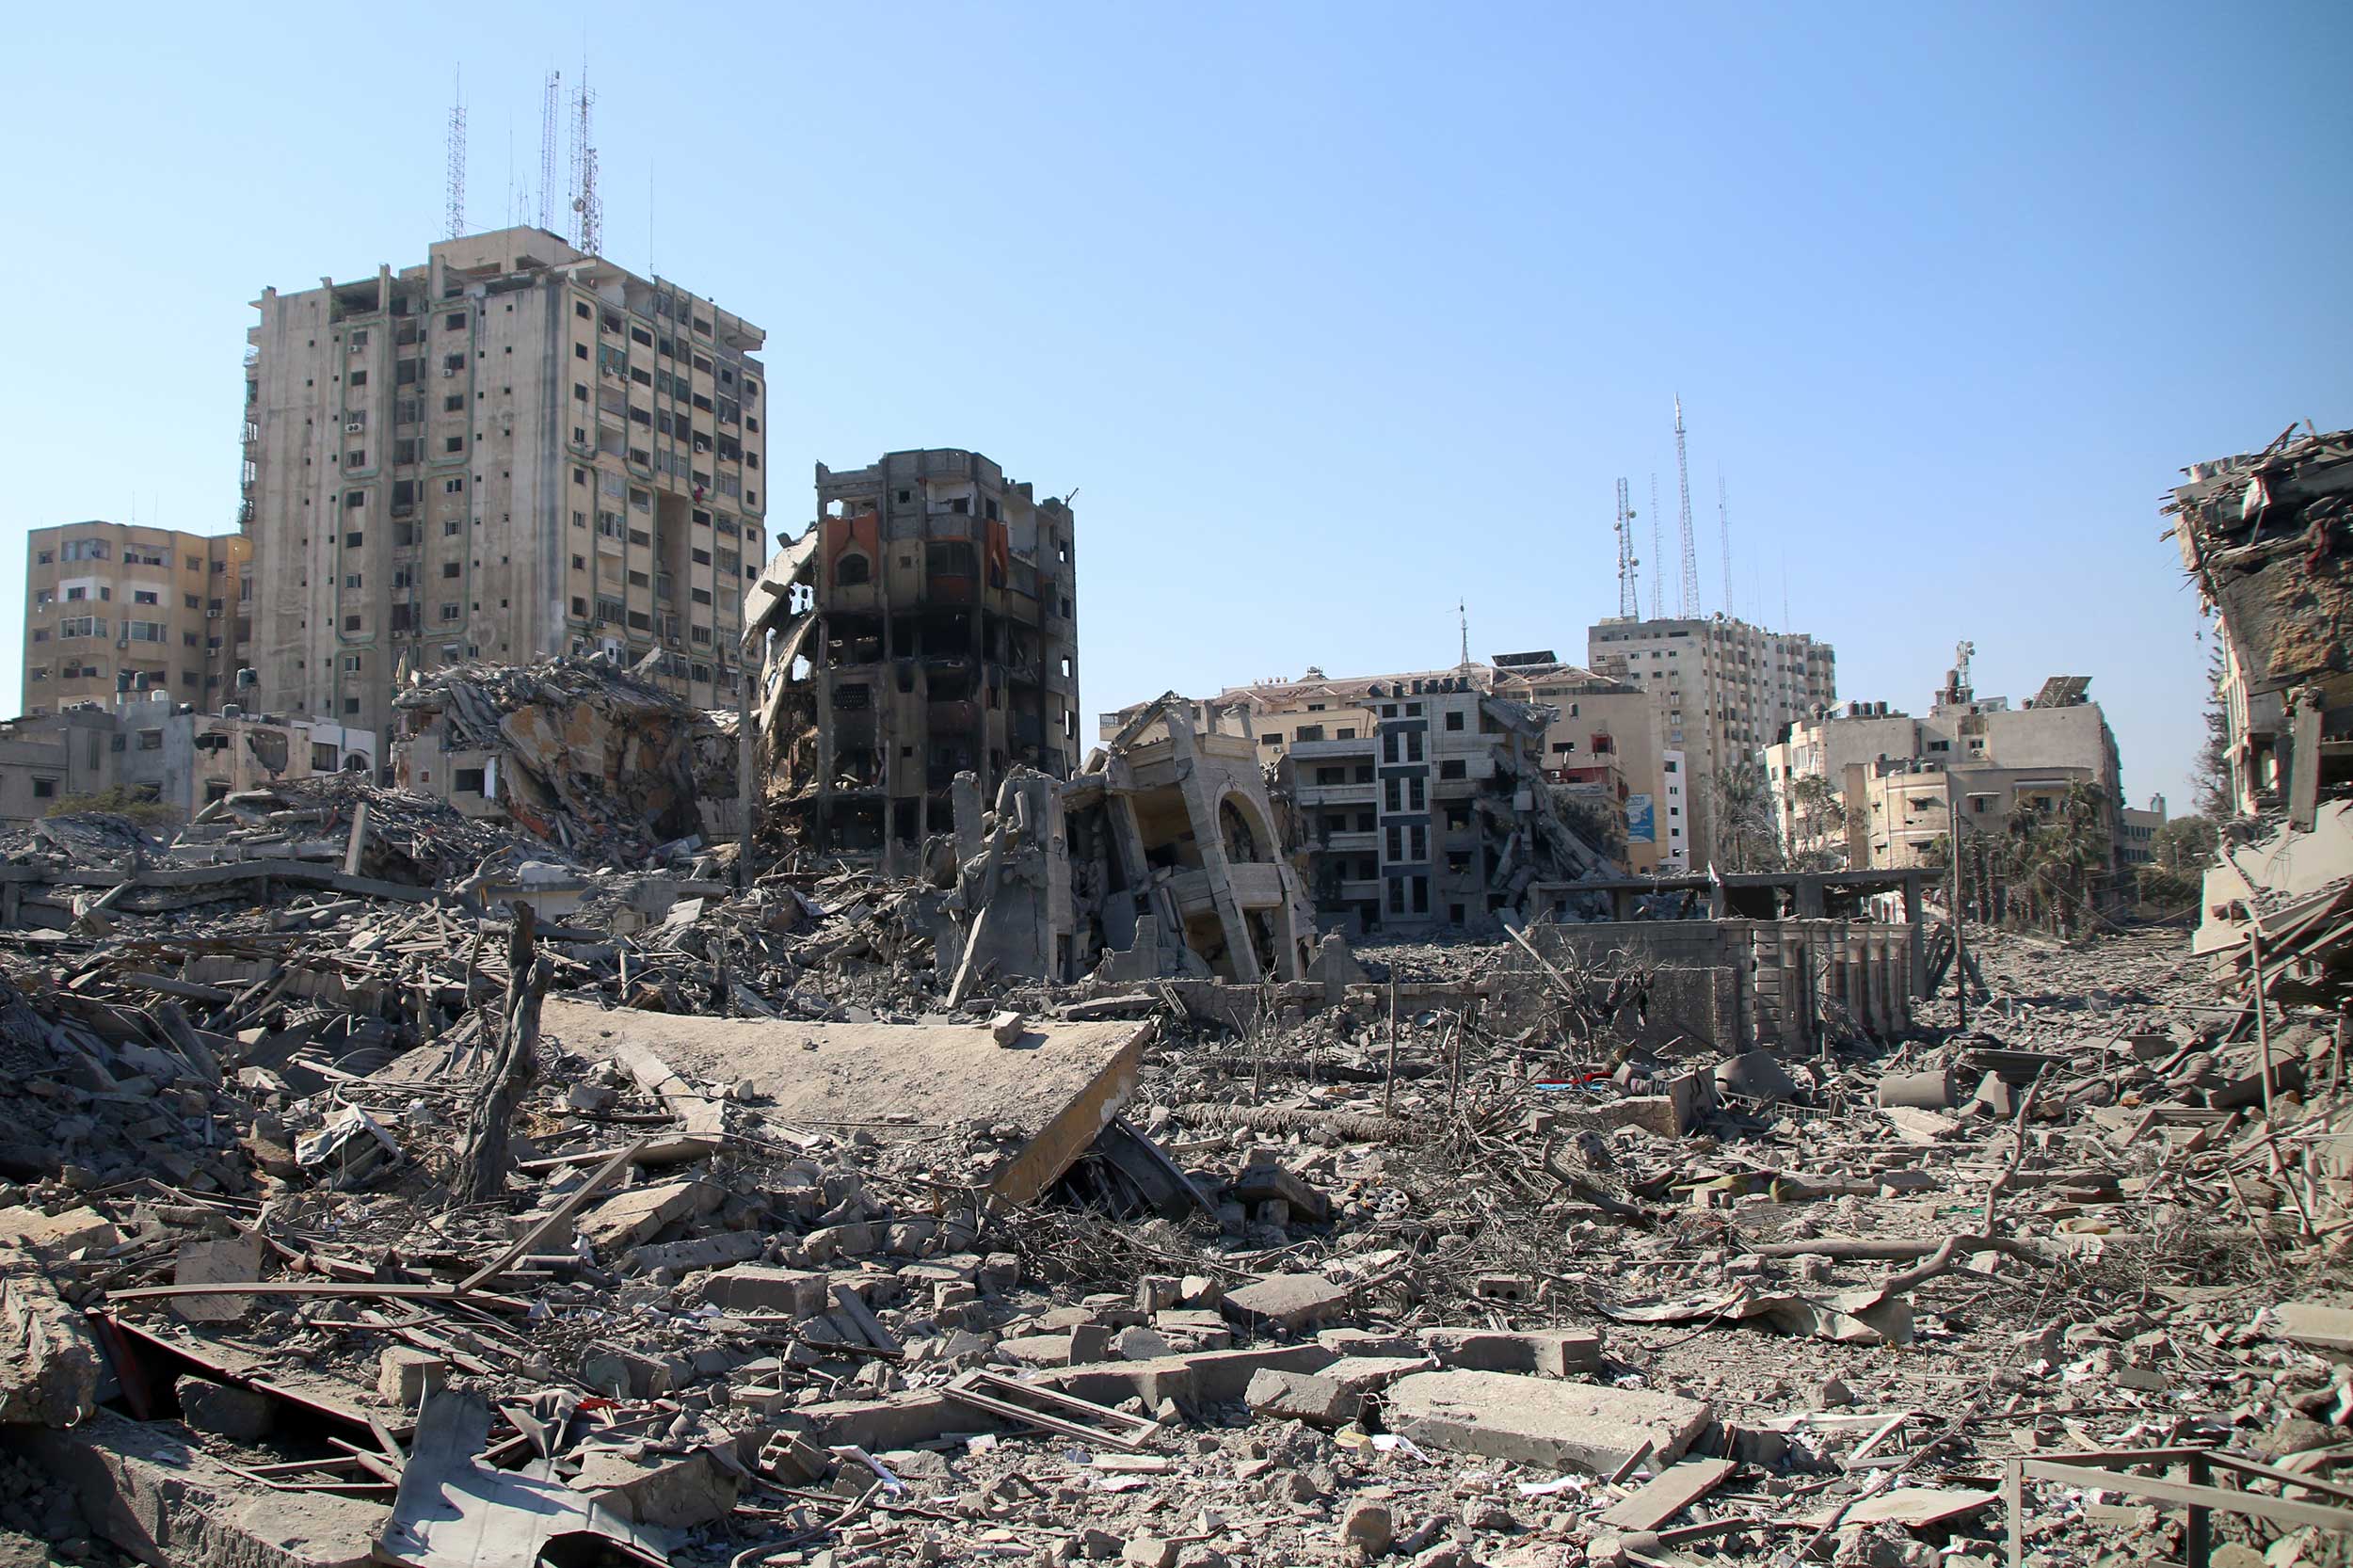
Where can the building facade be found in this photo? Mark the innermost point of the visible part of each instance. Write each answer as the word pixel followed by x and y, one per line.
pixel 513 449
pixel 1889 781
pixel 1602 747
pixel 943 638
pixel 1418 801
pixel 164 752
pixel 113 608
pixel 1721 690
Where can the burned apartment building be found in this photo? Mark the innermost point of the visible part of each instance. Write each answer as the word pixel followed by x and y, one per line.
pixel 1416 802
pixel 935 605
pixel 2265 536
pixel 512 450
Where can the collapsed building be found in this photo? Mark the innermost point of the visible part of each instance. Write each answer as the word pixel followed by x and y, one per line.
pixel 2268 538
pixel 927 627
pixel 1429 810
pixel 579 752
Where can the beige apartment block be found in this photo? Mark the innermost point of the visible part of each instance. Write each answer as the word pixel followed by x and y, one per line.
pixel 160 751
pixel 112 608
pixel 1722 690
pixel 1892 777
pixel 512 450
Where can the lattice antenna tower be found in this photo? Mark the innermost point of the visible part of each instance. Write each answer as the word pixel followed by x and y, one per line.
pixel 587 213
pixel 1724 533
pixel 1658 555
pixel 454 191
pixel 1462 609
pixel 1687 601
pixel 550 106
pixel 1629 590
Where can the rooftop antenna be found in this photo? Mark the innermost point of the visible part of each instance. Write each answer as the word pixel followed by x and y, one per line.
pixel 550 95
pixel 455 190
pixel 587 214
pixel 1724 533
pixel 1630 591
pixel 1462 609
pixel 1657 554
pixel 1688 599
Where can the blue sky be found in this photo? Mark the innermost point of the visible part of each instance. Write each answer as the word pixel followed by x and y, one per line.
pixel 1334 314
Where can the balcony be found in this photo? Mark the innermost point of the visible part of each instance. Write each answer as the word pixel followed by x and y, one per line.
pixel 1335 794
pixel 1307 751
pixel 1349 843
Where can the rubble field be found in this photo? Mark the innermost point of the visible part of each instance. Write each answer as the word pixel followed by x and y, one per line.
pixel 386 1184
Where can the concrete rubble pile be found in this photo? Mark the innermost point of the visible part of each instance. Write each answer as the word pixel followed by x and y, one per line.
pixel 413 1189
pixel 579 751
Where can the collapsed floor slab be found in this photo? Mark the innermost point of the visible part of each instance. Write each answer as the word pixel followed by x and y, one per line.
pixel 1060 1085
pixel 152 1492
pixel 1528 1420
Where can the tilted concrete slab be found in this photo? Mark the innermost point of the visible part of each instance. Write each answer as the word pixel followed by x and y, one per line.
pixel 151 1491
pixel 1530 1421
pixel 1061 1087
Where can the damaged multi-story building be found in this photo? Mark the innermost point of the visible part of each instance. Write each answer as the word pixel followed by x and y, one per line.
pixel 514 449
pixel 1417 801
pixel 926 625
pixel 1893 785
pixel 2265 536
pixel 1722 690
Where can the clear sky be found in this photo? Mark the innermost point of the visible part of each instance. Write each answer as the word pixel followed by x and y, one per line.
pixel 1334 314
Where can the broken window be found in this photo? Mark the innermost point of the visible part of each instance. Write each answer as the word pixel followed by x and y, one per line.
pixel 1453 768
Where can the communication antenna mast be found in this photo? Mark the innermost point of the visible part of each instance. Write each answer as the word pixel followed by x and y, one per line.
pixel 550 98
pixel 1687 603
pixel 1723 531
pixel 1630 591
pixel 1657 554
pixel 1462 609
pixel 454 192
pixel 587 214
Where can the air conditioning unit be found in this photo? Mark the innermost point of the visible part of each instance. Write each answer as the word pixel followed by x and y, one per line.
pixel 212 615
pixel 610 647
pixel 449 370
pixel 353 426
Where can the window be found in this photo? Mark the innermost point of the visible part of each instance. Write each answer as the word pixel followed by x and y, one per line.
pixel 1453 767
pixel 358 378
pixel 450 612
pixel 449 568
pixel 144 630
pixel 452 443
pixel 44 789
pixel 1455 718
pixel 151 740
pixel 144 595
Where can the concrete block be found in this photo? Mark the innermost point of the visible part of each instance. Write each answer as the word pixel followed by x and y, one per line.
pixel 404 1375
pixel 695 1252
pixel 239 1415
pixel 49 1363
pixel 1301 1397
pixel 792 1292
pixel 672 1492
pixel 1204 1377
pixel 896 1421
pixel 1541 1421
pixel 1365 1374
pixel 1545 1353
pixel 630 1217
pixel 75 1228
pixel 1288 1301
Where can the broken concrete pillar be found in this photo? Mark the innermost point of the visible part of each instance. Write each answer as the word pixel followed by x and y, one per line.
pixel 1920 1091
pixel 404 1375
pixel 49 1365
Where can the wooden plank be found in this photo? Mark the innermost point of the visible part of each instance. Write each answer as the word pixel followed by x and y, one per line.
pixel 1668 1493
